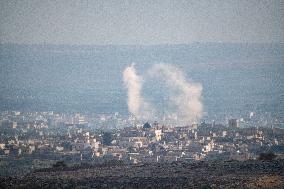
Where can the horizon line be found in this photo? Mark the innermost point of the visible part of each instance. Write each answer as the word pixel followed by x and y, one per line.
pixel 146 45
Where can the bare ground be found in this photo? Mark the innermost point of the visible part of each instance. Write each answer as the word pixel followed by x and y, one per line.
pixel 228 174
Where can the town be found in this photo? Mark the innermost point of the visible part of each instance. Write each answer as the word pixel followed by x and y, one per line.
pixel 35 140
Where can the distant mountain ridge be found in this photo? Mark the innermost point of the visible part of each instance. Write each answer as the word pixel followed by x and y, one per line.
pixel 236 78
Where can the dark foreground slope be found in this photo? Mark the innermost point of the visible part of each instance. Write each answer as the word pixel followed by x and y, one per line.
pixel 230 174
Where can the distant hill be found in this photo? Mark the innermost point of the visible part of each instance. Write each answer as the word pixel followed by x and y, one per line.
pixel 236 78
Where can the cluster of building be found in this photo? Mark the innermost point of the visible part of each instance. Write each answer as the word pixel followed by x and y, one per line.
pixel 45 137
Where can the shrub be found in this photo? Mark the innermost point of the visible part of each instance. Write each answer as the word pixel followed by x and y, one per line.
pixel 267 156
pixel 59 164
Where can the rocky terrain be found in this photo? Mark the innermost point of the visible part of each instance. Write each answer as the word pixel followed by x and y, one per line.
pixel 228 174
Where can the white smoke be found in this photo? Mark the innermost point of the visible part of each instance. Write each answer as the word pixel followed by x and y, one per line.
pixel 184 96
pixel 136 103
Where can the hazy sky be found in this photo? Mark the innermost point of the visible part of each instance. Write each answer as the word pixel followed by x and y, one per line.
pixel 140 22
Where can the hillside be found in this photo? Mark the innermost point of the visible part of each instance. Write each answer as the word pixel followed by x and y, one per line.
pixel 229 174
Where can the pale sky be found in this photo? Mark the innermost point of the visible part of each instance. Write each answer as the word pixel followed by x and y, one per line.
pixel 140 21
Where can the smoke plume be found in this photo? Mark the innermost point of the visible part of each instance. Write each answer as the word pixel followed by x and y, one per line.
pixel 184 97
pixel 136 103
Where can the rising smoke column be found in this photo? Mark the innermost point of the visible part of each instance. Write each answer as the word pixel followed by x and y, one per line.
pixel 136 103
pixel 184 95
